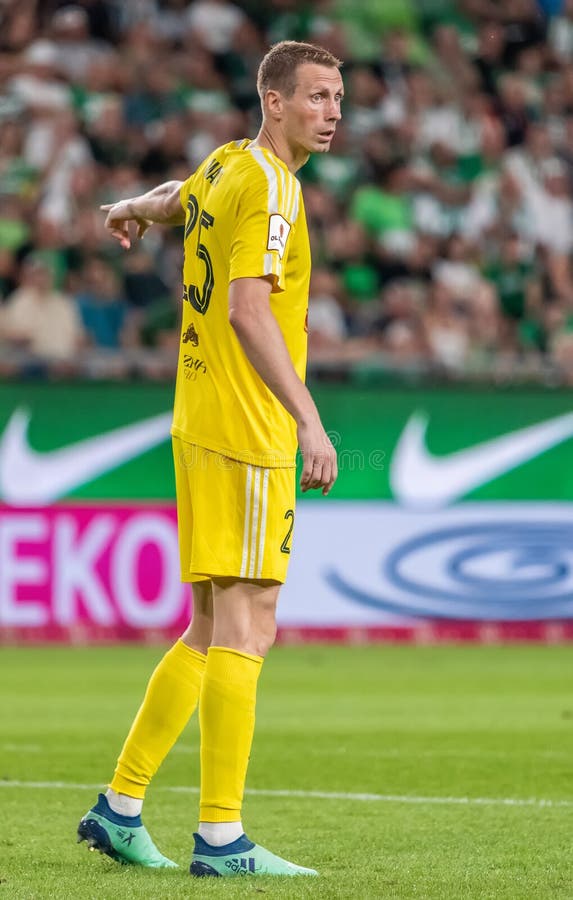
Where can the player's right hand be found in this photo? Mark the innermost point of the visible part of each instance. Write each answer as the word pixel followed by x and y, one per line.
pixel 119 215
pixel 320 468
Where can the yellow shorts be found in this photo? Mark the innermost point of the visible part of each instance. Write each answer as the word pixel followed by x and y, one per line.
pixel 235 520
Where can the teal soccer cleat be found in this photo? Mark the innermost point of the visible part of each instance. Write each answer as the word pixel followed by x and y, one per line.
pixel 124 838
pixel 242 857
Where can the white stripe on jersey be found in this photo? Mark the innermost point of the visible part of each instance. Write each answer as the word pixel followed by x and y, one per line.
pixel 270 172
pixel 296 203
pixel 272 265
pixel 289 198
pixel 281 173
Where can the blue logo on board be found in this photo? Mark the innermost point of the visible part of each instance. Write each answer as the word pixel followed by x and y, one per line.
pixel 512 571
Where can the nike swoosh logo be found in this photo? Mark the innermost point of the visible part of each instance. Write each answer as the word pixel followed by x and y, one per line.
pixel 419 479
pixel 28 478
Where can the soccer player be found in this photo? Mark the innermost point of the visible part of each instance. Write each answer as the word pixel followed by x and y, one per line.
pixel 241 408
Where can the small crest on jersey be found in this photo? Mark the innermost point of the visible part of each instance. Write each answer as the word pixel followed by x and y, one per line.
pixel 278 233
pixel 190 336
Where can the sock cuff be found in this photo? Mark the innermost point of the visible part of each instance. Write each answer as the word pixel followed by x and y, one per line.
pixel 232 652
pixel 124 784
pixel 183 649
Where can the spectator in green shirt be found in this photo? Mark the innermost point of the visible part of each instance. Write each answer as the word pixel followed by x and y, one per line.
pixel 386 205
pixel 512 275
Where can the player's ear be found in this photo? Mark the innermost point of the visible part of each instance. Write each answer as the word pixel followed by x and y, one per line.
pixel 273 104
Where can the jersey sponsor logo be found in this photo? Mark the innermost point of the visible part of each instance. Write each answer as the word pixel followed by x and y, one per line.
pixel 193 366
pixel 279 230
pixel 421 480
pixel 29 478
pixel 190 336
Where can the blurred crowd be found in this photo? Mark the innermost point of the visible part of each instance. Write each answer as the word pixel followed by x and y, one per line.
pixel 441 221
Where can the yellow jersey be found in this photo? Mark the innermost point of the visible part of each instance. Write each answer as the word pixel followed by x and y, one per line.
pixel 244 219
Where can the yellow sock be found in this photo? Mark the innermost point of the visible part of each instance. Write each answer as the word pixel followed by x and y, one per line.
pixel 227 719
pixel 171 697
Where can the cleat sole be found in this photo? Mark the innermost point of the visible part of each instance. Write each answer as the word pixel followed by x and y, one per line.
pixel 203 870
pixel 97 838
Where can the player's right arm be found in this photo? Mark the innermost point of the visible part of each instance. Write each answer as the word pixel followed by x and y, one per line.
pixel 161 205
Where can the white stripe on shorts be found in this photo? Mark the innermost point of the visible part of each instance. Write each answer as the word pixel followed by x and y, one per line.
pixel 255 523
pixel 261 550
pixel 257 481
pixel 244 559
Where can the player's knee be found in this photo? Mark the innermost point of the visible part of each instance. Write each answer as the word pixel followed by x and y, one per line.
pixel 199 634
pixel 256 640
pixel 266 637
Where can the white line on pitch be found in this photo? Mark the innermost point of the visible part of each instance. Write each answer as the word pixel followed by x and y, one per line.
pixel 433 754
pixel 22 748
pixel 320 795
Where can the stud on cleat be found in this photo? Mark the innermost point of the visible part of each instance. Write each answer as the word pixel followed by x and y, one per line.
pixel 202 870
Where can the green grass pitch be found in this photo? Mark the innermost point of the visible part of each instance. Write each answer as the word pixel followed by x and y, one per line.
pixel 430 731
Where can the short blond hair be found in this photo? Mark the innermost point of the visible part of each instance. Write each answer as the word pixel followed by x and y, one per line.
pixel 277 71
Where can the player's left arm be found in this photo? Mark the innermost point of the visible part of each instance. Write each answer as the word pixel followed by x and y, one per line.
pixel 259 252
pixel 162 205
pixel 262 340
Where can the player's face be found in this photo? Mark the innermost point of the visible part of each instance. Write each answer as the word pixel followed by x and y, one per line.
pixel 311 114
